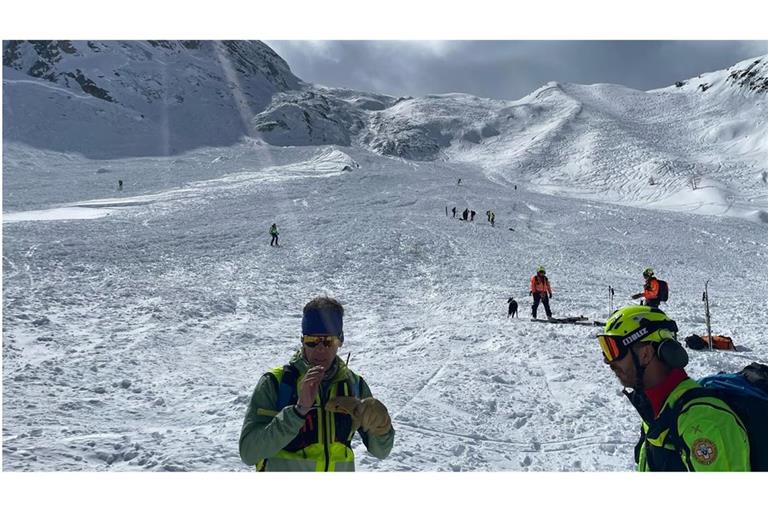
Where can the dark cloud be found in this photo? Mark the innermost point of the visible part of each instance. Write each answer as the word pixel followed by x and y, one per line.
pixel 505 69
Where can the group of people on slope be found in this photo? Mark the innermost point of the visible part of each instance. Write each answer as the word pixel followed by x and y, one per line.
pixel 541 291
pixel 303 416
pixel 469 215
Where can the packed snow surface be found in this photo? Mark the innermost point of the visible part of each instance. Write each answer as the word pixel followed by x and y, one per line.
pixel 133 336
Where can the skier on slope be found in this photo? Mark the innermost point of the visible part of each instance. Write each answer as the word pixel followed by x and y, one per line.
pixel 273 231
pixel 710 436
pixel 541 291
pixel 303 416
pixel 651 289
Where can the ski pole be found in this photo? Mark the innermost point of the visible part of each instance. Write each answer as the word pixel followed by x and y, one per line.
pixel 610 300
pixel 705 298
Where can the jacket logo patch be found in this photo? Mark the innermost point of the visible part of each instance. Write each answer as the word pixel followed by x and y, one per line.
pixel 704 451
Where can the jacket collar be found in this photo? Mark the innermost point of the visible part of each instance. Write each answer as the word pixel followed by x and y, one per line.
pixel 658 394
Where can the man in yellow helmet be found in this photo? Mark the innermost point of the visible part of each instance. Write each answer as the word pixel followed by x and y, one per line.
pixel 640 345
pixel 302 416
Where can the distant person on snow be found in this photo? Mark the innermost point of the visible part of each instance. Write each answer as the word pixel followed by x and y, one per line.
pixel 493 219
pixel 697 433
pixel 651 289
pixel 512 311
pixel 465 214
pixel 119 185
pixel 303 416
pixel 454 212
pixel 541 292
pixel 472 216
pixel 459 182
pixel 273 231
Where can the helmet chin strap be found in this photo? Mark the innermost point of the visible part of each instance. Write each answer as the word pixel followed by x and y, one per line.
pixel 637 396
pixel 639 371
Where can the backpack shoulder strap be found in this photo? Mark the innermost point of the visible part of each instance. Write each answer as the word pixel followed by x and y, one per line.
pixel 670 416
pixel 286 391
pixel 354 383
pixel 667 422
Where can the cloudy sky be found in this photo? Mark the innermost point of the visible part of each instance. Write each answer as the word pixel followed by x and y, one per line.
pixel 505 69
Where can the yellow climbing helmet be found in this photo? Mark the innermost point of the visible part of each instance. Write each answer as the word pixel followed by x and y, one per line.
pixel 633 324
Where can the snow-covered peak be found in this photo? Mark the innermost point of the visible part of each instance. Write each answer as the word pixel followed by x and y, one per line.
pixel 119 98
pixel 747 77
pixel 94 67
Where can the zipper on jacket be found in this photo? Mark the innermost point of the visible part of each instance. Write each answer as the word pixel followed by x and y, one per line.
pixel 323 400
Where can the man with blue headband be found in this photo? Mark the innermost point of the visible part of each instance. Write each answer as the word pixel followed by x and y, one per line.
pixel 302 416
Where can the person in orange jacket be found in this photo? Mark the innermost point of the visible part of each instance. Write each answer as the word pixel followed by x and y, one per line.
pixel 541 292
pixel 651 289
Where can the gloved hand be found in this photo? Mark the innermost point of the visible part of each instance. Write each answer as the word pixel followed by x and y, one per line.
pixel 530 292
pixel 550 295
pixel 369 413
pixel 637 295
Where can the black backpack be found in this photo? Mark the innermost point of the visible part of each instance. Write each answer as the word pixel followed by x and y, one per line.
pixel 663 290
pixel 746 393
pixel 696 342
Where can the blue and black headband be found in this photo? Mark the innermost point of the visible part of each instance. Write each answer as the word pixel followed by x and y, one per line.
pixel 324 321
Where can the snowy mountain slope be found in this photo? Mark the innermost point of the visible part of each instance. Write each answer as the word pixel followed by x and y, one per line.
pixel 731 94
pixel 133 98
pixel 306 118
pixel 326 162
pixel 623 139
pixel 704 149
pixel 318 115
pixel 702 145
pixel 133 341
pixel 745 77
pixel 421 128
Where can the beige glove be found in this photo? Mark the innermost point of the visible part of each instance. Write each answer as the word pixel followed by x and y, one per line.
pixel 369 413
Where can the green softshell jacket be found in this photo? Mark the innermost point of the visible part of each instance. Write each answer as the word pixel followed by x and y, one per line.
pixel 713 436
pixel 267 432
